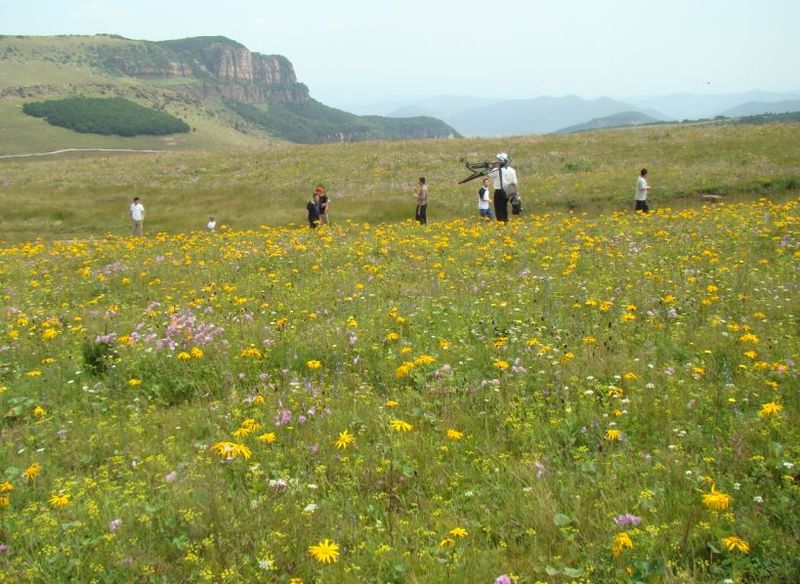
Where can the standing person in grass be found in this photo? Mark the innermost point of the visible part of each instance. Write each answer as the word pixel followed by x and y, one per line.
pixel 642 189
pixel 505 182
pixel 421 192
pixel 313 211
pixel 137 217
pixel 324 202
pixel 484 201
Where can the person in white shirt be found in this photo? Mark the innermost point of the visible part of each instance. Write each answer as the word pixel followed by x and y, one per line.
pixel 137 216
pixel 641 192
pixel 504 176
pixel 212 224
pixel 484 202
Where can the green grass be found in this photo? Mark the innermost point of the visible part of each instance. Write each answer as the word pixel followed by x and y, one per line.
pixel 249 187
pixel 512 355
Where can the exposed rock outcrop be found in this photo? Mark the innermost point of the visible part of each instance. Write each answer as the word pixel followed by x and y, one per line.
pixel 226 68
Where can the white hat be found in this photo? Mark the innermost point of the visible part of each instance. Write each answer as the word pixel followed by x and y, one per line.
pixel 502 157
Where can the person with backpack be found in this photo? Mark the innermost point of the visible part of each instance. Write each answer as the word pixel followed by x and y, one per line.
pixel 505 186
pixel 484 201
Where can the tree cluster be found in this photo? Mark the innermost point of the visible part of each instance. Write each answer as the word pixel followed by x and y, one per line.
pixel 106 116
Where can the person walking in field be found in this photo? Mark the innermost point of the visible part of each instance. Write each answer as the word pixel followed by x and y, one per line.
pixel 484 201
pixel 137 217
pixel 313 211
pixel 642 188
pixel 421 193
pixel 505 185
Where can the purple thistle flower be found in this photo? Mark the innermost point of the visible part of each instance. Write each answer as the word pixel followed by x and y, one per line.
pixel 627 520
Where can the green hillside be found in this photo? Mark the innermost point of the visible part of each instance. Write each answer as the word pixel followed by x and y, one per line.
pixel 214 84
pixel 313 123
pixel 620 120
pixel 78 195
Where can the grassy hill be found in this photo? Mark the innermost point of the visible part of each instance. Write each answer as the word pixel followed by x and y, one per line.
pixel 83 194
pixel 620 120
pixel 207 82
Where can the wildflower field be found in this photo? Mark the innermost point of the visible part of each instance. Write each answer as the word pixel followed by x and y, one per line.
pixel 575 396
pixel 600 398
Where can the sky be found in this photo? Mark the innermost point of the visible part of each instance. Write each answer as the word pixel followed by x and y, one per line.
pixel 360 51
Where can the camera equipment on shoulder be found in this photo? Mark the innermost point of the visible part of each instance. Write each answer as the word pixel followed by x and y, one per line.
pixel 480 169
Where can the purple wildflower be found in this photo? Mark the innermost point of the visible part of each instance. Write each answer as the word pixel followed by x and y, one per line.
pixel 627 519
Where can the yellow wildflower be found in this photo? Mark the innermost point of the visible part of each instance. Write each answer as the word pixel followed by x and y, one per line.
pixel 268 437
pixel 325 552
pixel 59 500
pixel 32 471
pixel 344 440
pixel 716 500
pixel 400 426
pixel 250 353
pixel 622 541
pixel 770 409
pixel 454 434
pixel 231 450
pixel 734 543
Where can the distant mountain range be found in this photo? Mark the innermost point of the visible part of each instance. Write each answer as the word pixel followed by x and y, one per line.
pixel 472 116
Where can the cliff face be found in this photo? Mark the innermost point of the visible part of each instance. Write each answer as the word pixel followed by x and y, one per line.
pixel 224 67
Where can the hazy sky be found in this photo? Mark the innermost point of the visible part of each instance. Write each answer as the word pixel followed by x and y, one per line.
pixel 360 51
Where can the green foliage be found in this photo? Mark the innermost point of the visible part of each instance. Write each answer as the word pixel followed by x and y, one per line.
pixel 114 115
pixel 311 122
pixel 762 119
pixel 97 355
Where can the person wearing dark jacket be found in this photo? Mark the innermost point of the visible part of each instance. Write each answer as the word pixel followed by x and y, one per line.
pixel 313 211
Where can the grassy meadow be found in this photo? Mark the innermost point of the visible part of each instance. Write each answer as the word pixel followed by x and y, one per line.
pixel 72 196
pixel 589 395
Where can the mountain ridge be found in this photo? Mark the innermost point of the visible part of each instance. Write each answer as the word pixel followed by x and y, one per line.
pixel 195 77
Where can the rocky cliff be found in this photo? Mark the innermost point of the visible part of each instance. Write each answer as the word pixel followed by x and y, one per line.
pixel 224 67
